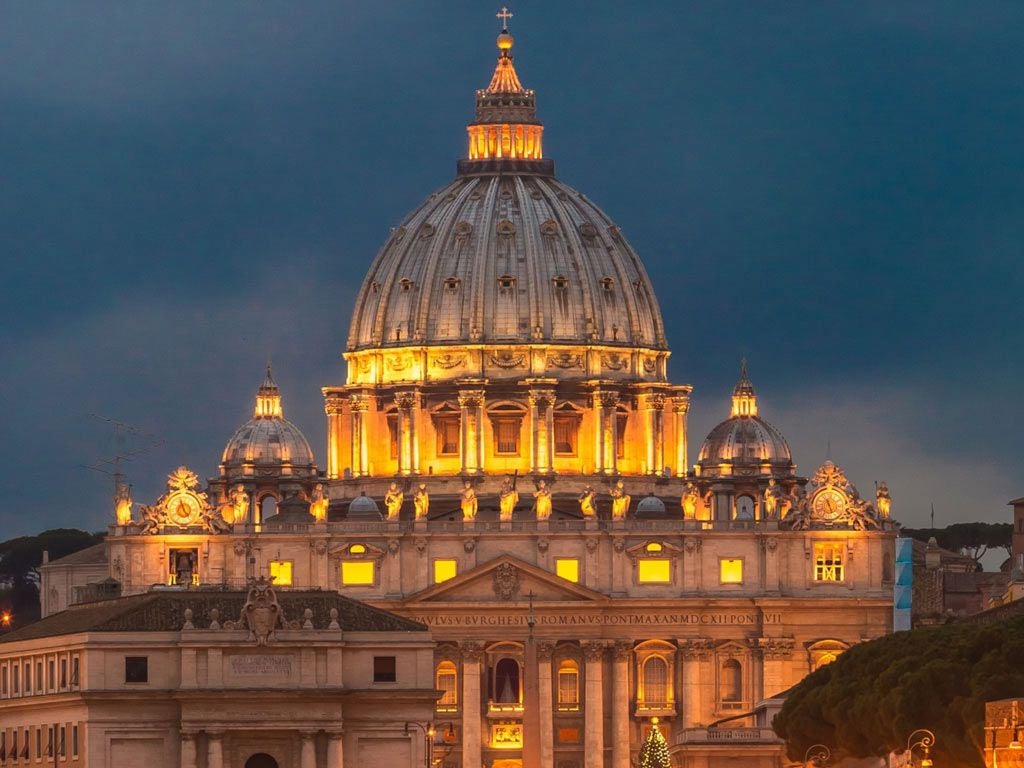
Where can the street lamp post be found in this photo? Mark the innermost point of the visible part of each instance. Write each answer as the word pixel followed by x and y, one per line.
pixel 925 739
pixel 428 736
pixel 817 755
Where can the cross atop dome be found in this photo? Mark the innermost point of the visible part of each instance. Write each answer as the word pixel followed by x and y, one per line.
pixel 504 14
pixel 744 399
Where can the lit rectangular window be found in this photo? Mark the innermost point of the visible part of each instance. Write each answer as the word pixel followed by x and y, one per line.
pixel 506 436
pixel 568 568
pixel 730 571
pixel 447 435
pixel 566 430
pixel 654 571
pixel 828 562
pixel 445 569
pixel 358 573
pixel 281 573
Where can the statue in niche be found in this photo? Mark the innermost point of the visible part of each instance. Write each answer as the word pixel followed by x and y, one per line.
pixel 883 501
pixel 468 502
pixel 620 501
pixel 239 504
pixel 123 504
pixel 588 502
pixel 771 500
pixel 543 500
pixel 508 497
pixel 393 501
pixel 318 503
pixel 689 501
pixel 421 502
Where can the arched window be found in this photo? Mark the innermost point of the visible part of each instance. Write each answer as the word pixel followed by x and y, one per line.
pixel 568 686
pixel 744 508
pixel 655 683
pixel 730 683
pixel 268 507
pixel 506 681
pixel 447 681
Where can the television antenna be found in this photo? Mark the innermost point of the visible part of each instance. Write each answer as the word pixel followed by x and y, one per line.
pixel 146 442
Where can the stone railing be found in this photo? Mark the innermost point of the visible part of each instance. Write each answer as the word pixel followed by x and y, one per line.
pixel 727 735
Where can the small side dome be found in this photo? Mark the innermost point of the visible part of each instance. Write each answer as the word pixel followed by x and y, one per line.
pixel 364 508
pixel 745 439
pixel 650 506
pixel 268 444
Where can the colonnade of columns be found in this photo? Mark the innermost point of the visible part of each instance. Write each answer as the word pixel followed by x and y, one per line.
pixel 215 749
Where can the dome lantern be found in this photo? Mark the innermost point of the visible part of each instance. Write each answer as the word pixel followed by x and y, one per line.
pixel 268 399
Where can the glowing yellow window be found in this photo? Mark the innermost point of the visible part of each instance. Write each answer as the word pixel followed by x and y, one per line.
pixel 568 568
pixel 445 569
pixel 654 547
pixel 828 562
pixel 357 573
pixel 281 573
pixel 357 549
pixel 654 571
pixel 730 571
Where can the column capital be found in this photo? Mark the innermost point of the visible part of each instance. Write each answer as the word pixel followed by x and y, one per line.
pixel 593 650
pixel 406 399
pixel 472 650
pixel 654 401
pixel 188 735
pixel 622 650
pixel 545 650
pixel 541 397
pixel 359 402
pixel 606 398
pixel 334 405
pixel 471 398
pixel 696 648
pixel 680 404
pixel 775 648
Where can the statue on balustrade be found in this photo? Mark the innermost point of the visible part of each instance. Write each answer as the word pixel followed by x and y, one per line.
pixel 318 503
pixel 123 504
pixel 883 501
pixel 620 501
pixel 689 501
pixel 771 500
pixel 421 502
pixel 588 505
pixel 542 501
pixel 393 501
pixel 468 502
pixel 508 497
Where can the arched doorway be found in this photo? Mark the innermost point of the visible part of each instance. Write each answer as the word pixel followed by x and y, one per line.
pixel 261 760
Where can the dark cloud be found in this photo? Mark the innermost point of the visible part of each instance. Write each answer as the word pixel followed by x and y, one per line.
pixel 833 191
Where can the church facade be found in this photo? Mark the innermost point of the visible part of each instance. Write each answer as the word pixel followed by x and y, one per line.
pixel 508 465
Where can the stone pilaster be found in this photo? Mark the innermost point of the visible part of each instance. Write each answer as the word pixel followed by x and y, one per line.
pixel 358 406
pixel 214 750
pixel 545 654
pixel 333 406
pixel 307 753
pixel 472 654
pixel 776 652
pixel 622 655
pixel 542 403
pixel 471 403
pixel 680 409
pixel 695 652
pixel 335 750
pixel 593 653
pixel 408 450
pixel 188 749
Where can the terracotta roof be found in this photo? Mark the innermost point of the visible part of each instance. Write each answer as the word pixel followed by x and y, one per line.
pixel 164 611
pixel 1016 501
pixel 94 555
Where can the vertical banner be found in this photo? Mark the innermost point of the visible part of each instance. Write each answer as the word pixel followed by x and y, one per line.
pixel 903 588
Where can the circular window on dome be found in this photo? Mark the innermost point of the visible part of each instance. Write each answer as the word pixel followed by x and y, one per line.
pixel 463 229
pixel 549 228
pixel 451 284
pixel 560 283
pixel 427 230
pixel 506 228
pixel 588 230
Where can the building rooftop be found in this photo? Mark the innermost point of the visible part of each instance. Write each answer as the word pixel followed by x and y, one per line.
pixel 164 611
pixel 94 555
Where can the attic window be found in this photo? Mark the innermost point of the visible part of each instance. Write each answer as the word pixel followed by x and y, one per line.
pixel 405 284
pixel 506 282
pixel 654 547
pixel 451 284
pixel 357 549
pixel 607 283
pixel 561 282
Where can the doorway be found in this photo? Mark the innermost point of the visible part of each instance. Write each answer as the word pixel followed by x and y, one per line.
pixel 261 760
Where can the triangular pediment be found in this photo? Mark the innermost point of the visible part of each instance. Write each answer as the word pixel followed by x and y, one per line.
pixel 505 578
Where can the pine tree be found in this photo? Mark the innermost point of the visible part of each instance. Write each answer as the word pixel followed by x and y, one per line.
pixel 654 752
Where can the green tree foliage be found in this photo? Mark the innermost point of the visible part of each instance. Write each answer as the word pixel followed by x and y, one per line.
pixel 654 751
pixel 20 559
pixel 974 539
pixel 872 697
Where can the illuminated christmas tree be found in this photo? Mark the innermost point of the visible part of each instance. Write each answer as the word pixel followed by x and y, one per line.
pixel 654 752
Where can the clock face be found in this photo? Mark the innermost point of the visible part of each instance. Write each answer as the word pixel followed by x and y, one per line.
pixel 829 503
pixel 183 509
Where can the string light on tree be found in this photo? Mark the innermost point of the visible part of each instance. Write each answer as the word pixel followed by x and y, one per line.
pixel 654 752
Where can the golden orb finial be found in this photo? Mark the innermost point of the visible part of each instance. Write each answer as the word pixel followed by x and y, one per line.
pixel 505 41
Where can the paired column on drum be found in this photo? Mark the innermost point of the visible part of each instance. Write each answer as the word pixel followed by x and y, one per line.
pixel 653 406
pixel 542 426
pixel 335 409
pixel 472 653
pixel 680 408
pixel 358 405
pixel 335 750
pixel 593 730
pixel 606 425
pixel 307 753
pixel 408 444
pixel 471 406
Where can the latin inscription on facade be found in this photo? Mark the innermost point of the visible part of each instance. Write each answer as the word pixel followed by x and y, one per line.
pixel 262 665
pixel 600 620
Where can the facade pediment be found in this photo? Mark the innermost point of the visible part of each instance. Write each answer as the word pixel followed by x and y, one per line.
pixel 505 579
